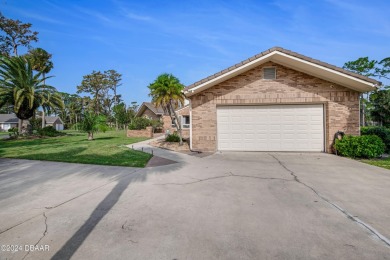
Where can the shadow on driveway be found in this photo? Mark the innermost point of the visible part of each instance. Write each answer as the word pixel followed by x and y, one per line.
pixel 71 246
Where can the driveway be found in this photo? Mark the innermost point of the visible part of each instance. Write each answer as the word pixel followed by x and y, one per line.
pixel 224 206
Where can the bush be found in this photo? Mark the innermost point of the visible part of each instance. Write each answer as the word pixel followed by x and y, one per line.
pixel 13 132
pixel 172 138
pixel 103 128
pixel 36 123
pixel 139 123
pixel 156 124
pixel 49 131
pixel 365 146
pixel 382 132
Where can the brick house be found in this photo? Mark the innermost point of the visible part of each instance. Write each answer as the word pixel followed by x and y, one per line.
pixel 277 100
pixel 148 110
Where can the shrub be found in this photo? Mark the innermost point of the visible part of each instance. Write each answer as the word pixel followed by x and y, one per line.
pixel 139 123
pixel 13 132
pixel 36 123
pixel 103 128
pixel 365 146
pixel 172 138
pixel 49 131
pixel 382 132
pixel 156 124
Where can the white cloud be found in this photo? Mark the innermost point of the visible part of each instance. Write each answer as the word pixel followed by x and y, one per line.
pixel 138 17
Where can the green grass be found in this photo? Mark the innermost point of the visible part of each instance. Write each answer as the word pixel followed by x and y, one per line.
pixel 107 149
pixel 383 162
pixel 4 133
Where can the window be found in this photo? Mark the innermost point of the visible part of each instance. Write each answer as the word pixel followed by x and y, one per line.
pixel 185 121
pixel 269 73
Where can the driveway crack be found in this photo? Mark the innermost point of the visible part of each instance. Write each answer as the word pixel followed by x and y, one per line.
pixel 223 176
pixel 64 202
pixel 43 235
pixel 343 211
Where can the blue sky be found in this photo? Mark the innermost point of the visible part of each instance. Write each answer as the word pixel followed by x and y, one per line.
pixel 194 39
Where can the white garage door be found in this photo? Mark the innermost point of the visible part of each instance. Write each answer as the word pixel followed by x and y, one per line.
pixel 271 128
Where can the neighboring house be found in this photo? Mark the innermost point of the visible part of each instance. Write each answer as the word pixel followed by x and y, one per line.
pixel 54 121
pixel 8 121
pixel 277 100
pixel 148 110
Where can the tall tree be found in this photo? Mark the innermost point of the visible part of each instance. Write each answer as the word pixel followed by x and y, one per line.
pixel 15 34
pixel 23 89
pixel 369 68
pixel 166 91
pixel 114 79
pixel 94 84
pixel 41 62
pixel 380 110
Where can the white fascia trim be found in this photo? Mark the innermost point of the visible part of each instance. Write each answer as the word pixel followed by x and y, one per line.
pixel 327 69
pixel 243 67
pixel 192 91
pixel 190 105
pixel 181 108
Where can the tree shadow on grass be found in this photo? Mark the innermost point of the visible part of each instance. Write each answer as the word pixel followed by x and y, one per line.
pixel 104 138
pixel 17 177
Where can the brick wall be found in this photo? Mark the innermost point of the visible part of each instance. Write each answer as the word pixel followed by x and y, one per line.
pixel 168 126
pixel 148 132
pixel 290 87
pixel 184 111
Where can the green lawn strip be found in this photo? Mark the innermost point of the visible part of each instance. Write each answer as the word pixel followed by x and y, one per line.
pixel 384 163
pixel 4 133
pixel 107 149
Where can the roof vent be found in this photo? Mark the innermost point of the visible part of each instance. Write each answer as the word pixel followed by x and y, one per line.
pixel 269 73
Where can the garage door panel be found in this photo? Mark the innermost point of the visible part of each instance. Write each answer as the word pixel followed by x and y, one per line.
pixel 271 128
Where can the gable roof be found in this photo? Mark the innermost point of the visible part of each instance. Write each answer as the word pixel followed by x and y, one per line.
pixel 52 119
pixel 151 107
pixel 8 118
pixel 292 60
pixel 11 118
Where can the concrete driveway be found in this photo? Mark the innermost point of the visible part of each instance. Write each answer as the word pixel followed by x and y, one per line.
pixel 225 206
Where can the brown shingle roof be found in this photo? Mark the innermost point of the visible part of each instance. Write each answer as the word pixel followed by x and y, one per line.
pixel 156 110
pixel 153 108
pixel 288 52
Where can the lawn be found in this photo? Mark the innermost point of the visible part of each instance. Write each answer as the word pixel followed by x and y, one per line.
pixel 384 162
pixel 107 149
pixel 4 133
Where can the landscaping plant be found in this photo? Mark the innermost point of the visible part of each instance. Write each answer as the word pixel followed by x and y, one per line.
pixel 173 138
pixel 380 131
pixel 365 146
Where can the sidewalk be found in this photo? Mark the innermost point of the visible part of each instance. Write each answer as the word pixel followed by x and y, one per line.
pixel 161 153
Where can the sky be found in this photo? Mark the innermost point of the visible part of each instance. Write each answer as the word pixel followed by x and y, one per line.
pixel 194 39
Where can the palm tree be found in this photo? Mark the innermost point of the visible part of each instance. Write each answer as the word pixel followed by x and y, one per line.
pixel 91 123
pixel 23 89
pixel 166 91
pixel 40 60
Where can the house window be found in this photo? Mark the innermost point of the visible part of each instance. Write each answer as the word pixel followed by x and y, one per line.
pixel 269 73
pixel 173 123
pixel 185 121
